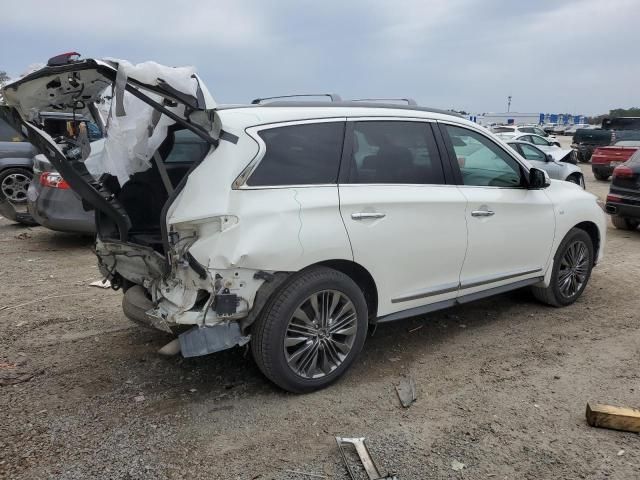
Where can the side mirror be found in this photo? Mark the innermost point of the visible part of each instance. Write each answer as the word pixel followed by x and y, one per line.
pixel 538 179
pixel 549 157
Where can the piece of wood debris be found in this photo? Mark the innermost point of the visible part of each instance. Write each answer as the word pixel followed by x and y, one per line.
pixel 615 418
pixel 406 392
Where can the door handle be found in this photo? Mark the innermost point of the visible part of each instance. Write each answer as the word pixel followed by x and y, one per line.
pixel 482 213
pixel 367 215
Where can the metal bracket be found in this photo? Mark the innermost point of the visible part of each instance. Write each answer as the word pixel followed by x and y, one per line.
pixel 370 467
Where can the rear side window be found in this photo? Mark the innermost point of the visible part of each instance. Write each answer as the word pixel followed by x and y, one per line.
pixel 395 152
pixel 9 134
pixel 306 154
pixel 187 148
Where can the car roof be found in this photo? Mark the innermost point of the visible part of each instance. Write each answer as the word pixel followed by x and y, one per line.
pixel 242 116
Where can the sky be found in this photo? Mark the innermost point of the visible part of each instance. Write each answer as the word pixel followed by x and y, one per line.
pixel 577 56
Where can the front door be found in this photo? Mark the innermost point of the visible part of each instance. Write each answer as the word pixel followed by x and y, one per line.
pixel 510 228
pixel 406 226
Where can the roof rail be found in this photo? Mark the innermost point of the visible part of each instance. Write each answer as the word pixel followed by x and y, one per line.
pixel 333 97
pixel 410 101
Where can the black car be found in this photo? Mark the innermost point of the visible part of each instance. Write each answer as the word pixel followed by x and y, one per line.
pixel 623 201
pixel 586 140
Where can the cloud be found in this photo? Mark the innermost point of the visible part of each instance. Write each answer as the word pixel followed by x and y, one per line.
pixel 575 55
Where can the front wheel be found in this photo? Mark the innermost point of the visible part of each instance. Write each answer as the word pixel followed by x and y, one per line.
pixel 577 179
pixel 623 223
pixel 311 331
pixel 572 266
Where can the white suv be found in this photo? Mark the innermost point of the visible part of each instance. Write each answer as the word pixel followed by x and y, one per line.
pixel 296 226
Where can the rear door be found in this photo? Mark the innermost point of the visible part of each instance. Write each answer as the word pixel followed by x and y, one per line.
pixel 405 224
pixel 510 228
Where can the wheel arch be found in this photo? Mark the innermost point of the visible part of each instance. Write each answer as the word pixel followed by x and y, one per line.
pixel 361 277
pixel 356 272
pixel 594 233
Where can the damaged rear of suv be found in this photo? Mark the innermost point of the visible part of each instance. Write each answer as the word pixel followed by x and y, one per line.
pixel 188 260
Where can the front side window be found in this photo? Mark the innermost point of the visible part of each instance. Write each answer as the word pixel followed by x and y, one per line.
pixel 482 162
pixel 306 154
pixel 532 153
pixel 395 152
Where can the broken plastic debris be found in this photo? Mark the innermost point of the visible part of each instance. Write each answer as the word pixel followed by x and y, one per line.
pixel 406 392
pixel 457 466
pixel 101 284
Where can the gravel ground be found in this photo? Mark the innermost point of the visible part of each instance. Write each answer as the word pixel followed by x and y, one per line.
pixel 502 385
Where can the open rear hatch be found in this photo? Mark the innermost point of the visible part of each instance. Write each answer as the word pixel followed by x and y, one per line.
pixel 146 102
pixel 145 105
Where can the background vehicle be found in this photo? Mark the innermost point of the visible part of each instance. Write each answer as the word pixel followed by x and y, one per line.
pixel 541 142
pixel 585 141
pixel 560 129
pixel 621 123
pixel 549 127
pixel 17 159
pixel 53 203
pixel 16 156
pixel 605 159
pixel 623 200
pixel 518 129
pixel 572 129
pixel 556 168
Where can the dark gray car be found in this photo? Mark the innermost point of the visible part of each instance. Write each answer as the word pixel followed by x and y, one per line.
pixel 17 161
pixel 54 205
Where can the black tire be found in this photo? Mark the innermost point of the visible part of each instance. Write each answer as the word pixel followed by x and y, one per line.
pixel 269 331
pixel 552 295
pixel 577 179
pixel 15 171
pixel 623 223
pixel 583 158
pixel 601 176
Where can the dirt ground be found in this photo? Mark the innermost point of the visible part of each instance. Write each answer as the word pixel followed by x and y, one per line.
pixel 502 385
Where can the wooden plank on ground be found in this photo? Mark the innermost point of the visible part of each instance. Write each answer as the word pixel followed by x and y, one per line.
pixel 616 418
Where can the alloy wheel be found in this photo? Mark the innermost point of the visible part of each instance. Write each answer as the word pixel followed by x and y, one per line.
pixel 574 268
pixel 320 334
pixel 14 187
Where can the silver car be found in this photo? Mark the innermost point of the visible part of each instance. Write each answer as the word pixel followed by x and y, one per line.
pixel 556 168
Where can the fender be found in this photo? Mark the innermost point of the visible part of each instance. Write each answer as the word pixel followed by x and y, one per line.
pixel 13 162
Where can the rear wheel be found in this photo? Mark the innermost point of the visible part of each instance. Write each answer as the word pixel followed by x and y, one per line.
pixel 311 331
pixel 623 223
pixel 572 266
pixel 601 176
pixel 14 183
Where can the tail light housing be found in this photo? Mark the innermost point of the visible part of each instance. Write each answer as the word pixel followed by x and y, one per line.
pixel 53 180
pixel 623 171
pixel 613 198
